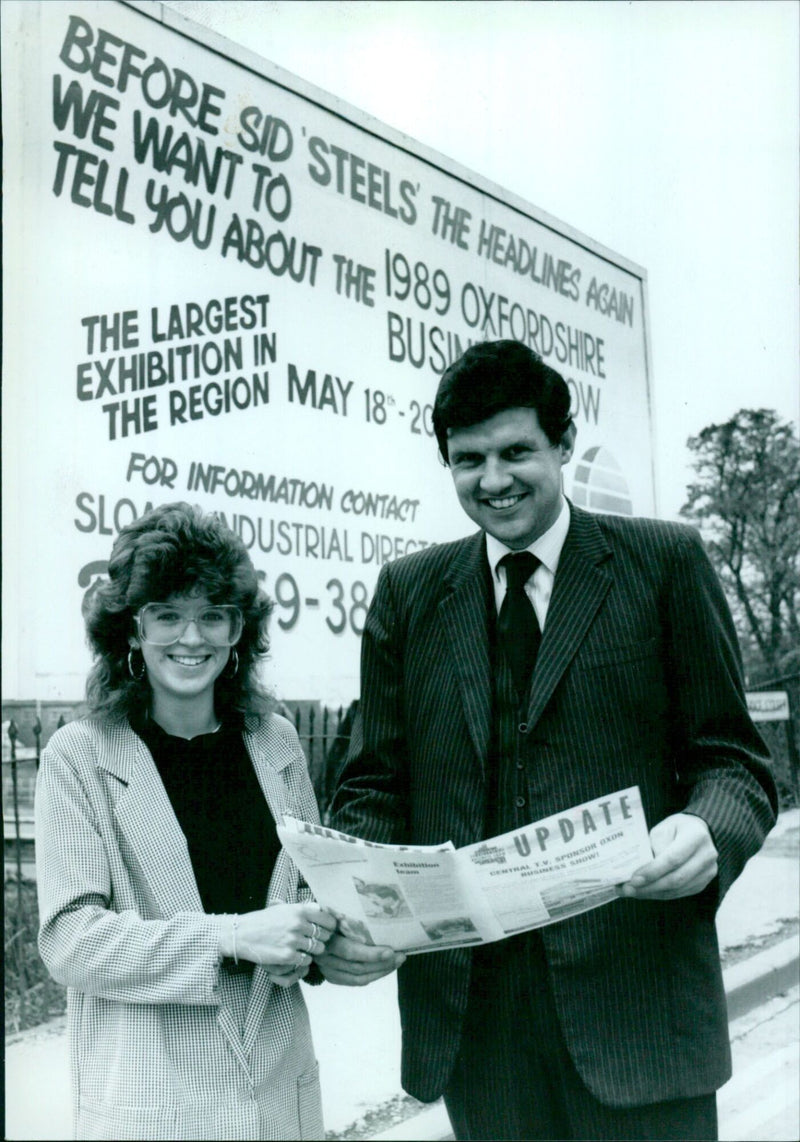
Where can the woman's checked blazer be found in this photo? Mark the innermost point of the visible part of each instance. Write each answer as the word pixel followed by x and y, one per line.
pixel 163 1042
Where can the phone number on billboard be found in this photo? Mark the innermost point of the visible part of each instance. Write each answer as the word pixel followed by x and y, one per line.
pixel 344 607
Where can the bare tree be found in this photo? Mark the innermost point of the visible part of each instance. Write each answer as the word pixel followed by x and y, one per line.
pixel 746 503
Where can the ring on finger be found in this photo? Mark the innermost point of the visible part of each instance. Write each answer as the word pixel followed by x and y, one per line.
pixel 310 943
pixel 314 931
pixel 301 959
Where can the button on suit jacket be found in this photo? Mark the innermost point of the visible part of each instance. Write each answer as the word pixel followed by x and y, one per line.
pixel 637 682
pixel 163 1043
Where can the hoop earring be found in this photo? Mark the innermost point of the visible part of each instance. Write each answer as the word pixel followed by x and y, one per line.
pixel 136 677
pixel 234 658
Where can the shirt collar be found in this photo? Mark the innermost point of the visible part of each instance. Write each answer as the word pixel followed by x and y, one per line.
pixel 547 548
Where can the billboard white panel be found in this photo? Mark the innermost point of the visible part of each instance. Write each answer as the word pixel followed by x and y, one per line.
pixel 224 286
pixel 768 705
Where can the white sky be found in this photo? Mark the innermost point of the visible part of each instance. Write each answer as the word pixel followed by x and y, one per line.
pixel 665 130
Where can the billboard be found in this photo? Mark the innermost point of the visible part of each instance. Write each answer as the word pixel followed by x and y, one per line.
pixel 768 705
pixel 225 286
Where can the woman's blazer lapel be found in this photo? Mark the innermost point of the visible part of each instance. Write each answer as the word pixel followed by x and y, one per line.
pixel 145 813
pixel 149 825
pixel 268 764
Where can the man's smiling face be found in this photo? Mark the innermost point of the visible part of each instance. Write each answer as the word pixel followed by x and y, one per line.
pixel 507 474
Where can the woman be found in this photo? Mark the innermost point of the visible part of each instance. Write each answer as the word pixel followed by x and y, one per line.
pixel 157 851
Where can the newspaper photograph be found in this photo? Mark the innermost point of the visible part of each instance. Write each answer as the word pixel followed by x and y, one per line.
pixel 424 899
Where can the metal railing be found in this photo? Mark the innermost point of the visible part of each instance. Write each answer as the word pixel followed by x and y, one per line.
pixel 324 735
pixel 23 971
pixel 20 765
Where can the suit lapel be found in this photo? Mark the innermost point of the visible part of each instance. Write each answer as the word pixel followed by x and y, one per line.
pixel 147 820
pixel 284 880
pixel 463 612
pixel 144 811
pixel 581 583
pixel 283 883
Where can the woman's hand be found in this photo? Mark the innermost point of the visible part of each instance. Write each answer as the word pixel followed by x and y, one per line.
pixel 282 938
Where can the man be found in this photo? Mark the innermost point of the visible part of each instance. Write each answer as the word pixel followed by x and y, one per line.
pixel 611 1024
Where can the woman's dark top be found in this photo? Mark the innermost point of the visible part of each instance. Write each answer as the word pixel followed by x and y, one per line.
pixel 221 808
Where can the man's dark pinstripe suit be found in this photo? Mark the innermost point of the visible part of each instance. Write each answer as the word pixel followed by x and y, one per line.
pixel 637 682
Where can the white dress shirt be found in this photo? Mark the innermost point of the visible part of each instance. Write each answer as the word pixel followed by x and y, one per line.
pixel 547 548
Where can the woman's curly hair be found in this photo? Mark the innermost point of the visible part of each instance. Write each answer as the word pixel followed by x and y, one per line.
pixel 175 549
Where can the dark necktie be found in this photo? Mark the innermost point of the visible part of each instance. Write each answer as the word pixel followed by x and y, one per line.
pixel 517 626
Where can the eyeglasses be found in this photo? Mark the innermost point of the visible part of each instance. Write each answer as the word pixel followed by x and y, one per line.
pixel 161 624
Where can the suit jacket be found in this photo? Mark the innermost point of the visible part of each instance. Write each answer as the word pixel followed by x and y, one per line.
pixel 164 1043
pixel 637 682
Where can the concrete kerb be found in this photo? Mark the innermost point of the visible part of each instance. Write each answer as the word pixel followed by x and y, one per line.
pixel 747 984
pixel 762 975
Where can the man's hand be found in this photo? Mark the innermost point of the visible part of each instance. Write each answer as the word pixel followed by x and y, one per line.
pixel 684 861
pixel 347 962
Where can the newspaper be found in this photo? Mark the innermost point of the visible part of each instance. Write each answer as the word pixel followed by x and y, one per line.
pixel 424 899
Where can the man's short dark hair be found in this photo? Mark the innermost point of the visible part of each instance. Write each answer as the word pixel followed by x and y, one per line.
pixel 493 376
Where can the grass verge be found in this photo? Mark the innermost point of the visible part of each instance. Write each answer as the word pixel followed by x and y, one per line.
pixel 31 996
